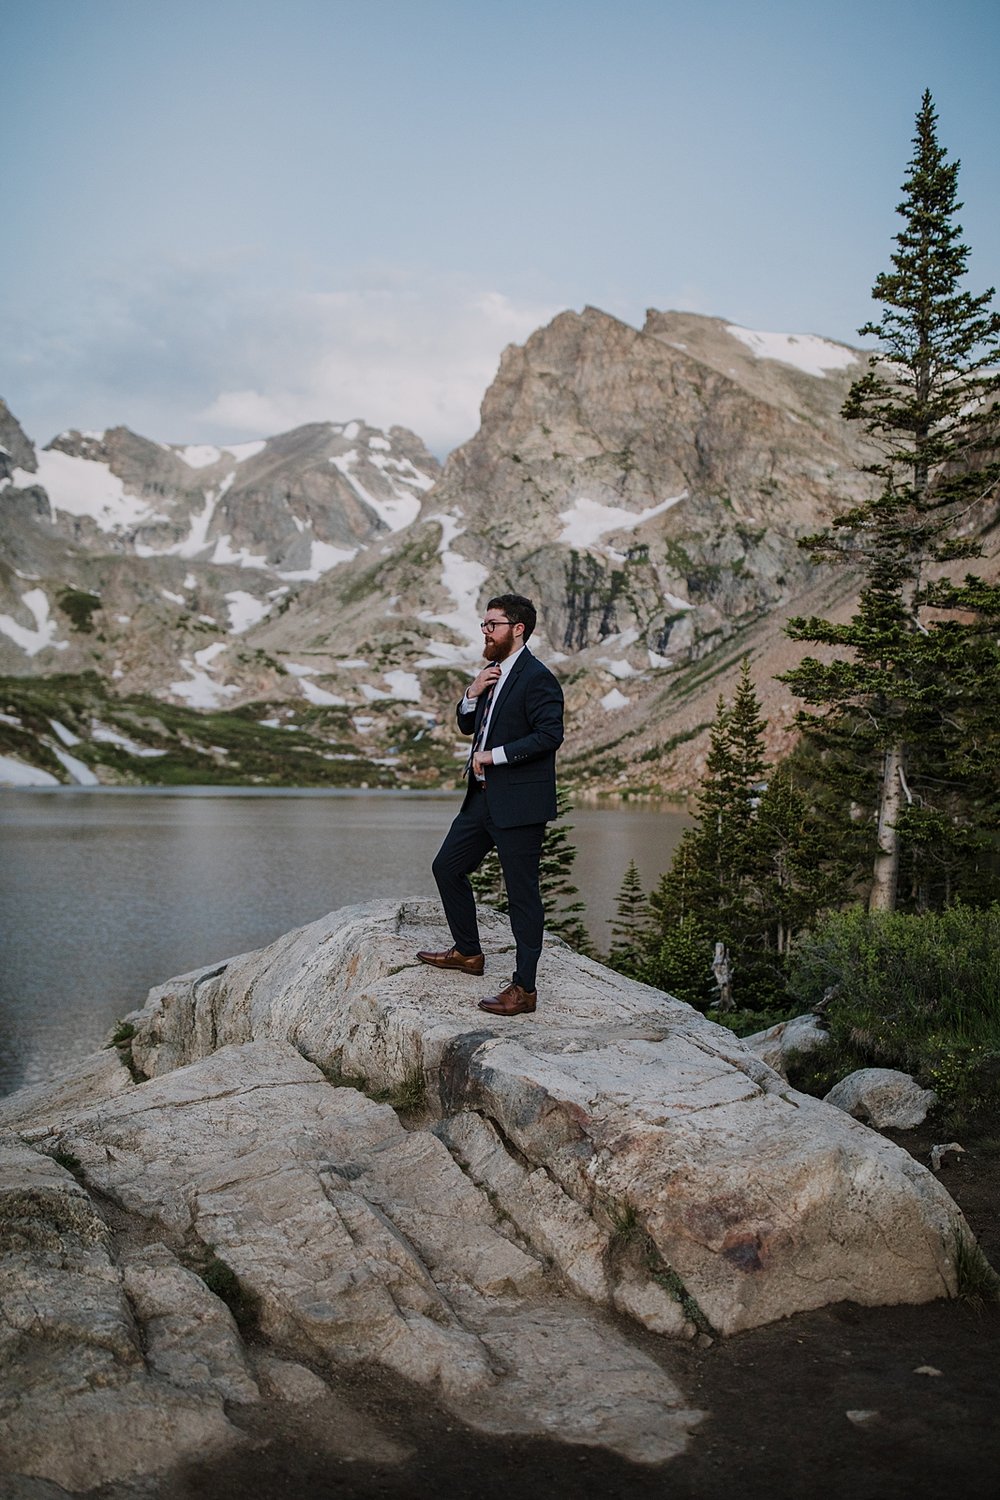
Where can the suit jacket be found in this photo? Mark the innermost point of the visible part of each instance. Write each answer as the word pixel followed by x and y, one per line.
pixel 528 722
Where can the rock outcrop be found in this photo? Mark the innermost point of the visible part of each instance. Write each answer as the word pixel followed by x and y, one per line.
pixel 650 487
pixel 883 1097
pixel 615 1152
pixel 779 1044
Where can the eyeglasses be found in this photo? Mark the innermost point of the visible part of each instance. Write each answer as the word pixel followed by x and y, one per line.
pixel 490 625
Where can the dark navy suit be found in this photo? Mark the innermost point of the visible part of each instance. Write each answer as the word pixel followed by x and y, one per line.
pixel 508 813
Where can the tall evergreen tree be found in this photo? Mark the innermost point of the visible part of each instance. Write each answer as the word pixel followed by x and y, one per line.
pixel 723 845
pixel 903 699
pixel 564 911
pixel 630 930
pixel 751 874
pixel 795 876
pixel 712 891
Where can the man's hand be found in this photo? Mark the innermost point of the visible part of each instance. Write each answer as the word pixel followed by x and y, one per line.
pixel 480 761
pixel 487 678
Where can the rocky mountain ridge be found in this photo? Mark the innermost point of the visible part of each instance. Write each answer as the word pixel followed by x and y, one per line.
pixel 649 487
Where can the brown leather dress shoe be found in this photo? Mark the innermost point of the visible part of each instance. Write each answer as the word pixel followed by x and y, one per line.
pixel 468 963
pixel 513 1001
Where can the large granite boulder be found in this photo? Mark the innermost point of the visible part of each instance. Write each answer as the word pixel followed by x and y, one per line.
pixel 756 1200
pixel 614 1153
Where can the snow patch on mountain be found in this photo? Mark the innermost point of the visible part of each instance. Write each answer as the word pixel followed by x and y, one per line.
pixel 200 690
pixel 405 685
pixel 45 631
pixel 105 736
pixel 323 557
pixel 394 513
pixel 618 668
pixel 207 655
pixel 244 610
pixel 319 696
pixel 203 455
pixel 80 774
pixel 226 553
pixel 16 773
pixel 87 487
pixel 463 579
pixel 804 351
pixel 196 540
pixel 403 470
pixel 66 735
pixel 586 521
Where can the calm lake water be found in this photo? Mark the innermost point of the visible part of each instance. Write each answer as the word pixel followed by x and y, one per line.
pixel 104 893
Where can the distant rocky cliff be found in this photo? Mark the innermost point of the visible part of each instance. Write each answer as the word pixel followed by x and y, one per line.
pixel 649 487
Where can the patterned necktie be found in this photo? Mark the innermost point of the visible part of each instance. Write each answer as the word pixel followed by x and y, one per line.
pixel 477 743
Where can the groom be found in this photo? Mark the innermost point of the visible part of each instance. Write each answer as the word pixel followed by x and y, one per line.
pixel 514 712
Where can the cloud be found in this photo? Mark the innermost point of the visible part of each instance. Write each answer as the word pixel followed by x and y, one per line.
pixel 209 352
pixel 421 355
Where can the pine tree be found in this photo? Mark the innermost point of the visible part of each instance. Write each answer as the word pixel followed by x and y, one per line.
pixel 721 858
pixel 796 877
pixel 681 962
pixel 903 699
pixel 630 931
pixel 713 889
pixel 564 911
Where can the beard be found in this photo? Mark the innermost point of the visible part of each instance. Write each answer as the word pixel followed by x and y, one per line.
pixel 494 650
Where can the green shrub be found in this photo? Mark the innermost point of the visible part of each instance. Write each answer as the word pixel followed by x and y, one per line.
pixel 915 992
pixel 682 964
pixel 79 605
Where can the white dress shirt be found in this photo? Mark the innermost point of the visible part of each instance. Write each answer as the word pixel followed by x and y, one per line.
pixel 469 705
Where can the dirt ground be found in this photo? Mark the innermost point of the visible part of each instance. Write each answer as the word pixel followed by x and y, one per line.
pixel 922 1385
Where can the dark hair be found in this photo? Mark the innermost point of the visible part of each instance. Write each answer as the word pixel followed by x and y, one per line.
pixel 518 609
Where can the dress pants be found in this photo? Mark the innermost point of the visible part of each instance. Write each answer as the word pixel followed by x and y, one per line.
pixel 471 836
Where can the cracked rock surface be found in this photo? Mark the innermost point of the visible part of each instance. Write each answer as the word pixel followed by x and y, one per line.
pixel 615 1153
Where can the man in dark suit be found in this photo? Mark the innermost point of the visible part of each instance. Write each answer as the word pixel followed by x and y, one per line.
pixel 514 712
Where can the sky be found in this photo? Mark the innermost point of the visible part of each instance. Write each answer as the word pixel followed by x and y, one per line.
pixel 223 218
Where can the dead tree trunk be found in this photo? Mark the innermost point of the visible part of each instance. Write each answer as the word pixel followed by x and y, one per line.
pixel 885 874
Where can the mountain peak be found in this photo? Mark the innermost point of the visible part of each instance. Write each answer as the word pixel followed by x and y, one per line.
pixel 16 449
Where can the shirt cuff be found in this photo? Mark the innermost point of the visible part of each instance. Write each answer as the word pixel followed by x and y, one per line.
pixel 499 755
pixel 467 705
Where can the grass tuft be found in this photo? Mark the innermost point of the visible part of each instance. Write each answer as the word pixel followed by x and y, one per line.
pixel 628 1234
pixel 70 1162
pixel 625 1226
pixel 410 1096
pixel 977 1282
pixel 121 1040
pixel 243 1303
